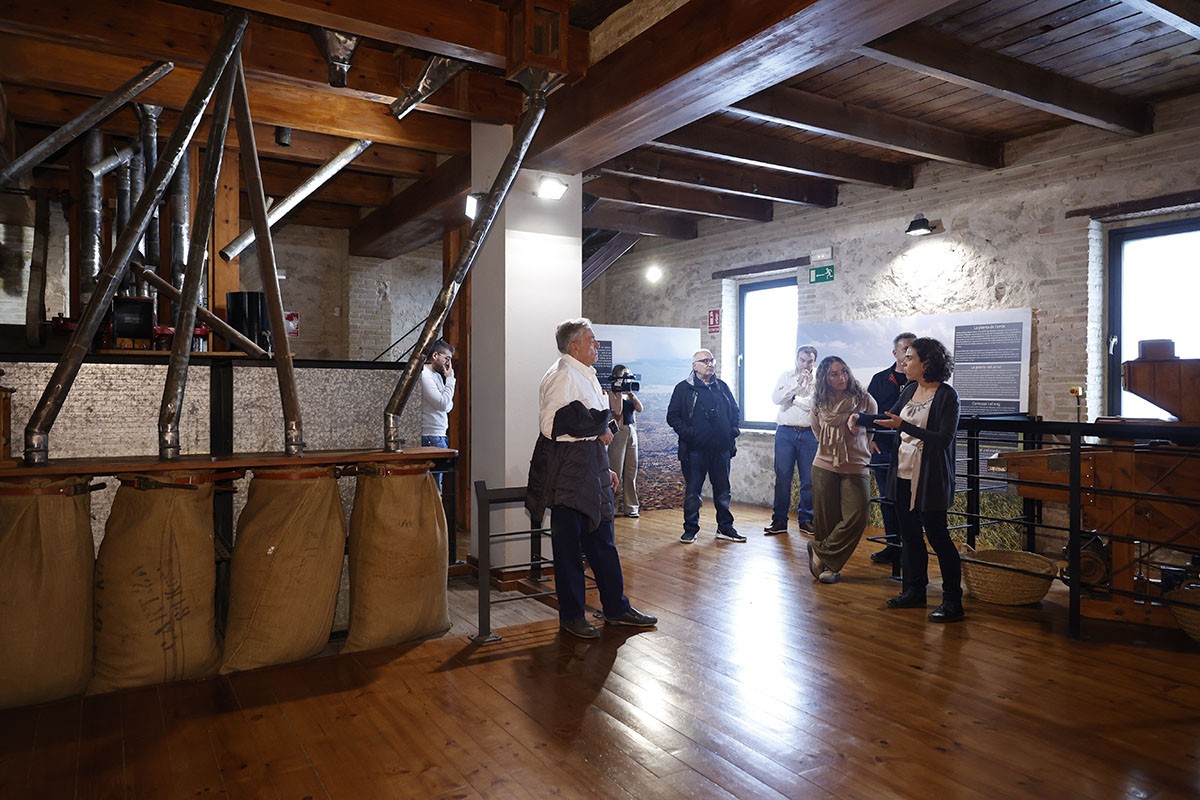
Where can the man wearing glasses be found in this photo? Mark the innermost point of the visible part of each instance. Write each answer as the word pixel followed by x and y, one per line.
pixel 437 397
pixel 795 443
pixel 705 415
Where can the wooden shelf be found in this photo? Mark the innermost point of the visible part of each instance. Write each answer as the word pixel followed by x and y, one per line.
pixel 129 464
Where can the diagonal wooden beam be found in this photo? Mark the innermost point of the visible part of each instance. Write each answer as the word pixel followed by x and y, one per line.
pixel 824 115
pixel 704 56
pixel 607 255
pixel 706 173
pixel 614 219
pixel 935 54
pixel 271 53
pixel 625 190
pixel 417 216
pixel 49 65
pixel 1182 15
pixel 757 148
pixel 35 108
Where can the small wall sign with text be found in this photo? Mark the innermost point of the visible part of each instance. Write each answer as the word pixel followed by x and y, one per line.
pixel 714 320
pixel 820 274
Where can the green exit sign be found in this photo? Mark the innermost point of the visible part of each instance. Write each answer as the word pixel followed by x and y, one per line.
pixel 820 274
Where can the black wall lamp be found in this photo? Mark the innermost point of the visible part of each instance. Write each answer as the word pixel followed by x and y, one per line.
pixel 919 226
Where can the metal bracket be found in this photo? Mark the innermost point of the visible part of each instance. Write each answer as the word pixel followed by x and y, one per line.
pixel 338 48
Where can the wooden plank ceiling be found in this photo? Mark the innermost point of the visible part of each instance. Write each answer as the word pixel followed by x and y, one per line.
pixel 718 111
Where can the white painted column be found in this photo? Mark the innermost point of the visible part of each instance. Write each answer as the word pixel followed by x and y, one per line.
pixel 526 280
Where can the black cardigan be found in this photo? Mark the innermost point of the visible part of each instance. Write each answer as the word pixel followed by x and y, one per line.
pixel 935 485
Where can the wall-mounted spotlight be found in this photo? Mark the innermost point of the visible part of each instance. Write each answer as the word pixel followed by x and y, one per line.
pixel 654 274
pixel 919 226
pixel 550 188
pixel 474 201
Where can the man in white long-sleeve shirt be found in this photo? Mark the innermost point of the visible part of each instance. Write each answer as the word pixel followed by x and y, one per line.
pixel 437 397
pixel 795 444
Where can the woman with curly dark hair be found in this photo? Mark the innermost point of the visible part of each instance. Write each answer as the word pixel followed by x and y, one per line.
pixel 921 479
pixel 841 486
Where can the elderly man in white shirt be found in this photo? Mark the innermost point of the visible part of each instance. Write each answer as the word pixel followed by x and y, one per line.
pixel 795 443
pixel 577 485
pixel 437 397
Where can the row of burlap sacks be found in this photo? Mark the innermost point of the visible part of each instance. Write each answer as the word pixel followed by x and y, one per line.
pixel 141 611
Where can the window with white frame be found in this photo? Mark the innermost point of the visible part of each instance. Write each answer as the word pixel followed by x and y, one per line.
pixel 767 316
pixel 1154 278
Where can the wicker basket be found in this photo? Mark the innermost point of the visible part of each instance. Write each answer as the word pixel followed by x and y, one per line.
pixel 1187 617
pixel 1007 577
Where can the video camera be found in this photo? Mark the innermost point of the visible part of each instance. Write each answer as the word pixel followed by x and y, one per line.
pixel 627 383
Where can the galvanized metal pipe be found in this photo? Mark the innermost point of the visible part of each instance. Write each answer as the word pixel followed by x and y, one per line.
pixel 88 119
pixel 91 196
pixel 148 134
pixel 114 160
pixel 137 185
pixel 122 218
pixel 35 297
pixel 180 202
pixel 220 326
pixel 293 429
pixel 181 347
pixel 37 431
pixel 298 195
pixel 466 258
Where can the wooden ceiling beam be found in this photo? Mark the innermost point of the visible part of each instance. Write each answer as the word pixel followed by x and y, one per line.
pixel 463 29
pixel 812 112
pixel 168 31
pixel 704 56
pixel 41 107
pixel 626 190
pixel 1182 15
pixel 49 65
pixel 623 221
pixel 606 255
pixel 417 216
pixel 705 173
pixel 932 53
pixel 706 138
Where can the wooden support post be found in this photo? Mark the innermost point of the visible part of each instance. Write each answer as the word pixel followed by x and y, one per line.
pixel 457 331
pixel 224 276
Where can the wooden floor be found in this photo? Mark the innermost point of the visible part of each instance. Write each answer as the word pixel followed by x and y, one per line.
pixel 757 683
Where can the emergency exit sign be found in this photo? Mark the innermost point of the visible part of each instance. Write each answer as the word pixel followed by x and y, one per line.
pixel 820 274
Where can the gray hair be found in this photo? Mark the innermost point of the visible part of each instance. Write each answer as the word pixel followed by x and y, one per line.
pixel 570 330
pixel 902 336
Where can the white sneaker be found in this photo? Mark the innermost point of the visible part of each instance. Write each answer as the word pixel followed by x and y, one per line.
pixel 829 576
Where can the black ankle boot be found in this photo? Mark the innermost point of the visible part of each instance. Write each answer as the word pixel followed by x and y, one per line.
pixel 909 598
pixel 948 611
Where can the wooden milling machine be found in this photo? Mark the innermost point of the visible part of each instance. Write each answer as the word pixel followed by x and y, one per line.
pixel 1134 549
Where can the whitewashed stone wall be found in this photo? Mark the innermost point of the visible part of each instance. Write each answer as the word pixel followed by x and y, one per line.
pixel 16 251
pixel 1007 244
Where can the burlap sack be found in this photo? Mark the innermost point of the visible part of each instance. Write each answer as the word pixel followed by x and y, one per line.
pixel 398 556
pixel 287 565
pixel 45 590
pixel 155 579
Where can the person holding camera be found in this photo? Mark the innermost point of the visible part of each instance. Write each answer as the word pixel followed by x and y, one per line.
pixel 437 397
pixel 795 443
pixel 706 417
pixel 624 404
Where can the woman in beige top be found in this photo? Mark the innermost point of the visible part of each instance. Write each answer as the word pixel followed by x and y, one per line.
pixel 841 486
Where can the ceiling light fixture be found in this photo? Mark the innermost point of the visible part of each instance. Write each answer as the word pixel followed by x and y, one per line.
pixel 550 188
pixel 919 226
pixel 654 274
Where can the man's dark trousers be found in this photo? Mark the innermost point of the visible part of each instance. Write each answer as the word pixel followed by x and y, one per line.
pixel 714 465
pixel 573 538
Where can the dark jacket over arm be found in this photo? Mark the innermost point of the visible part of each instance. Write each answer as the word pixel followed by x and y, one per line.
pixel 572 474
pixel 935 486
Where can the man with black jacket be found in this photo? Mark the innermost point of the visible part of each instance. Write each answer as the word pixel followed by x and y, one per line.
pixel 706 417
pixel 885 387
pixel 569 474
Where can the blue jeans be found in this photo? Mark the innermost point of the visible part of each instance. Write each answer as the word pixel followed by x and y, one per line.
pixel 436 441
pixel 570 532
pixel 794 449
pixel 714 466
